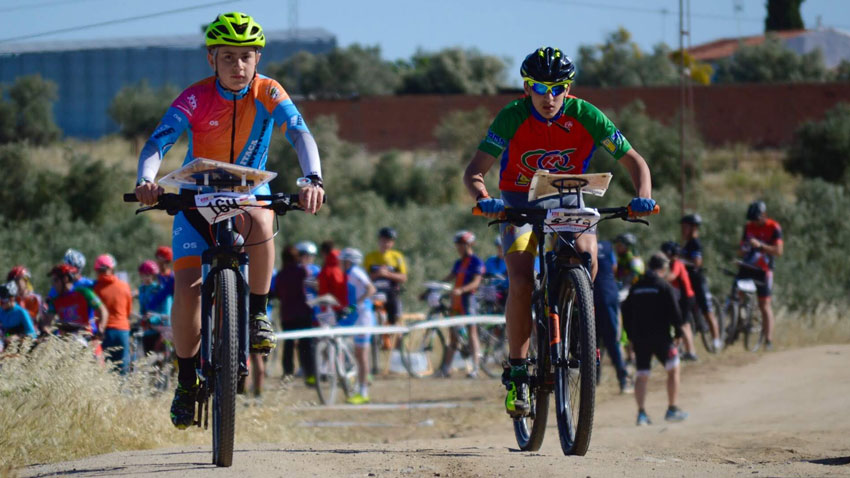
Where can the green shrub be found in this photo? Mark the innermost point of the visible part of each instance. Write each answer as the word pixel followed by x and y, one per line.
pixel 821 149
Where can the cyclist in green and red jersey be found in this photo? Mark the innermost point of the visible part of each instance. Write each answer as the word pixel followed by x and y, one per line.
pixel 76 305
pixel 551 130
pixel 760 244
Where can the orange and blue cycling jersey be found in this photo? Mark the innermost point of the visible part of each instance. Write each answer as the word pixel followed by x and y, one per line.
pixel 228 126
pixel 526 142
pixel 77 307
pixel 464 271
pixel 769 233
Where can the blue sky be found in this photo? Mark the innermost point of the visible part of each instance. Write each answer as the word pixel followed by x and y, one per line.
pixel 507 28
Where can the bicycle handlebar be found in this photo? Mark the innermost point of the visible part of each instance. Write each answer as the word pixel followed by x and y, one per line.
pixel 173 203
pixel 515 215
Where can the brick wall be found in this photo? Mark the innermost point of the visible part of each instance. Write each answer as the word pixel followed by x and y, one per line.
pixel 759 115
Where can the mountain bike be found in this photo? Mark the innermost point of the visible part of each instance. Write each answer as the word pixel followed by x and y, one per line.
pixel 739 311
pixel 424 348
pixel 334 358
pixel 565 358
pixel 224 283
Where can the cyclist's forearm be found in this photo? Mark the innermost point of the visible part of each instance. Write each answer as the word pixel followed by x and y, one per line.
pixel 307 151
pixel 473 177
pixel 639 172
pixel 149 162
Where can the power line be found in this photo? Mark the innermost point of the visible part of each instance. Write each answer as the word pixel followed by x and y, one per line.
pixel 113 22
pixel 631 8
pixel 39 5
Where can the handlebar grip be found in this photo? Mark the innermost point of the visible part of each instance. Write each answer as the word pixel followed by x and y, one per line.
pixel 655 210
pixel 476 211
pixel 130 197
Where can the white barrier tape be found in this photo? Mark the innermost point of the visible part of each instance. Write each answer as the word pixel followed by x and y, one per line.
pixel 396 329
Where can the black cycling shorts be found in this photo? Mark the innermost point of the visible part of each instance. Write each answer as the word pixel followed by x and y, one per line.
pixel 664 350
pixel 763 280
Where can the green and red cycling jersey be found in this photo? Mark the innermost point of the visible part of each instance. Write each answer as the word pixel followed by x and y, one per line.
pixel 76 307
pixel 769 233
pixel 525 141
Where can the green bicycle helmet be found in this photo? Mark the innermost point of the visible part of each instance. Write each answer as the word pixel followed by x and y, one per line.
pixel 234 29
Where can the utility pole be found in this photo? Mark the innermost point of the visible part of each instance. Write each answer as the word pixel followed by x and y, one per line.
pixel 682 104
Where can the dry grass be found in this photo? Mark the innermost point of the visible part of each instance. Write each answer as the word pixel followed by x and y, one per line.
pixel 58 403
pixel 827 324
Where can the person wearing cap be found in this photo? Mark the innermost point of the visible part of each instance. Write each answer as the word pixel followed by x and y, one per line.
pixel 649 313
pixel 14 319
pixel 27 298
pixel 388 270
pixel 152 315
pixel 693 259
pixel 118 300
pixel 359 313
pixel 466 276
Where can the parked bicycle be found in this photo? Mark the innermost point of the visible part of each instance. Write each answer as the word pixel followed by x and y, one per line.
pixel 740 311
pixel 565 358
pixel 224 284
pixel 424 348
pixel 151 350
pixel 334 355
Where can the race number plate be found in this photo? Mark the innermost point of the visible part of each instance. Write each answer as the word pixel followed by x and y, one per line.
pixel 217 207
pixel 572 220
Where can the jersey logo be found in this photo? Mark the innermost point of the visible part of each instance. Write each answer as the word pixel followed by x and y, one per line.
pixel 555 161
pixel 495 139
pixel 614 142
pixel 274 93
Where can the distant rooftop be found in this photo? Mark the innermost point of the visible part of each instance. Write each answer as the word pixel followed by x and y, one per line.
pixel 165 41
pixel 833 43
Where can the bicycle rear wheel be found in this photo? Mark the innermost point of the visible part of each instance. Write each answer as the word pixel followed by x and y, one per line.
pixel 225 349
pixel 575 375
pixel 423 351
pixel 326 372
pixel 494 349
pixel 530 430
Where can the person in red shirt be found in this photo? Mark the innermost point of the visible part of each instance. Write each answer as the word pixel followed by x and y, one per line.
pixel 681 282
pixel 331 277
pixel 760 244
pixel 118 299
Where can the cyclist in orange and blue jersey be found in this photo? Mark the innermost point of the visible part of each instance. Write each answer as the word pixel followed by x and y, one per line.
pixel 760 244
pixel 547 129
pixel 229 117
pixel 14 319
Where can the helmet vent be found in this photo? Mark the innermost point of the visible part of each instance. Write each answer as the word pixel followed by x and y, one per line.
pixel 221 29
pixel 240 29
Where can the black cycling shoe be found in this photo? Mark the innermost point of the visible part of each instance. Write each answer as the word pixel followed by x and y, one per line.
pixel 262 334
pixel 183 405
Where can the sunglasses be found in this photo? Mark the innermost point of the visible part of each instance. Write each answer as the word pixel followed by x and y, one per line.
pixel 544 88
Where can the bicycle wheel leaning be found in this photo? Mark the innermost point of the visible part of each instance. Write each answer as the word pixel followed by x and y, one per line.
pixel 494 349
pixel 346 367
pixel 530 430
pixel 423 351
pixel 575 384
pixel 326 371
pixel 225 349
pixel 753 330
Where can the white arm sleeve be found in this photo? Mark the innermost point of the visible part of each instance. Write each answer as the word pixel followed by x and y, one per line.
pixel 149 161
pixel 307 151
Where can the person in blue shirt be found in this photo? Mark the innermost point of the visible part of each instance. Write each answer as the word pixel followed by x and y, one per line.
pixel 14 319
pixel 155 313
pixel 607 305
pixel 466 277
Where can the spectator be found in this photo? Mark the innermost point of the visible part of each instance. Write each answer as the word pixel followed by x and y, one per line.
pixel 649 312
pixel 152 316
pixel 27 298
pixel 607 305
pixel 165 296
pixel 77 260
pixel 118 299
pixel 14 319
pixel 466 275
pixel 295 314
pixel 681 282
pixel 332 277
pixel 359 313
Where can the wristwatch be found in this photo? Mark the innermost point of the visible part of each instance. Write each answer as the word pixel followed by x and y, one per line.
pixel 308 180
pixel 143 181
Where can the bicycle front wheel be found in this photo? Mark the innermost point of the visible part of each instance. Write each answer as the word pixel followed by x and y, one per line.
pixel 753 328
pixel 575 377
pixel 225 348
pixel 326 372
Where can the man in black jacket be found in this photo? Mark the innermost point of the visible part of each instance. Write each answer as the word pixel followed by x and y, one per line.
pixel 648 314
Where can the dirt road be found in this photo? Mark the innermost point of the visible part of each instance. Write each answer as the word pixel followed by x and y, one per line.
pixel 785 413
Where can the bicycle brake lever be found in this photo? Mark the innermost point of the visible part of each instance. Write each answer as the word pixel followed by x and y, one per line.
pixel 642 221
pixel 143 209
